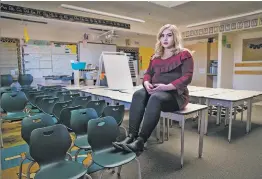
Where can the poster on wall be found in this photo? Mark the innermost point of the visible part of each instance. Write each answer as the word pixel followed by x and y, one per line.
pixel 252 49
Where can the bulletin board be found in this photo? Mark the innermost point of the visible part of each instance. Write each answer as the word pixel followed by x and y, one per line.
pixel 145 54
pixel 9 55
pixel 252 49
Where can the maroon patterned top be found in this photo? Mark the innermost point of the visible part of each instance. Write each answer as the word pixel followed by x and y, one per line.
pixel 177 69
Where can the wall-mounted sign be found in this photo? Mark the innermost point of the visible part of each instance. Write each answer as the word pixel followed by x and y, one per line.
pixel 59 16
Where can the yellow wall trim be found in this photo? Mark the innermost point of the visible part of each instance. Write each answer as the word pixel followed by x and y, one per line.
pixel 256 64
pixel 248 72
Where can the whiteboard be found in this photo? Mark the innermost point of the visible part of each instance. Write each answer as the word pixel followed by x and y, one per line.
pixel 117 72
pixel 90 52
pixel 38 49
pixel 62 64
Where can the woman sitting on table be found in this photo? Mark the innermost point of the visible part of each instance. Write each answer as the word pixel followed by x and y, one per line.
pixel 165 88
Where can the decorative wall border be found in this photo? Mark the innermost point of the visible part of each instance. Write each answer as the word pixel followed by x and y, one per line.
pixel 59 16
pixel 229 27
pixel 17 41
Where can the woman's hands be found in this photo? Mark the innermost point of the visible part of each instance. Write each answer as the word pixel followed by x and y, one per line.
pixel 158 87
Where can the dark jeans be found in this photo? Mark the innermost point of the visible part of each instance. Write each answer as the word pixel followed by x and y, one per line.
pixel 149 107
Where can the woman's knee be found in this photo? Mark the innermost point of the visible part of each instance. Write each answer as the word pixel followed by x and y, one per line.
pixel 140 93
pixel 159 96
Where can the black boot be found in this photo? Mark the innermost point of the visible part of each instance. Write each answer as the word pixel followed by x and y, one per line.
pixel 137 146
pixel 119 145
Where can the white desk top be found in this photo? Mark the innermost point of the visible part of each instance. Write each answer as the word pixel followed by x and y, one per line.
pixel 80 87
pixel 210 92
pixel 232 96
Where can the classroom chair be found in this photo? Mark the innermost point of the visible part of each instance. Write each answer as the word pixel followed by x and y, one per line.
pixel 28 125
pixel 79 122
pixel 65 116
pixel 117 112
pixel 68 97
pixel 47 104
pixel 38 100
pixel 48 147
pixel 60 94
pixel 103 153
pixel 25 80
pixel 98 105
pixel 6 80
pixel 81 100
pixel 59 106
pixel 14 104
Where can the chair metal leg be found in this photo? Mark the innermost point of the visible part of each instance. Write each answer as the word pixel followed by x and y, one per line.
pixel 76 154
pixel 182 141
pixel 157 130
pixel 1 134
pixel 70 156
pixel 163 130
pixel 101 175
pixel 124 130
pixel 138 169
pixel 28 169
pixel 88 176
pixel 21 168
pixel 119 170
pixel 167 128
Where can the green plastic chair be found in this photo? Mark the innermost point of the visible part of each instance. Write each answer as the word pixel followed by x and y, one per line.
pixel 32 95
pixel 47 104
pixel 98 105
pixel 101 133
pixel 6 80
pixel 5 90
pixel 59 106
pixel 68 97
pixel 118 113
pixel 25 79
pixel 60 94
pixel 14 104
pixel 48 147
pixel 81 100
pixel 79 121
pixel 28 125
pixel 65 116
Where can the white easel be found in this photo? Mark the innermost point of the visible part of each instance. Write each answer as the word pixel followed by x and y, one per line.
pixel 122 73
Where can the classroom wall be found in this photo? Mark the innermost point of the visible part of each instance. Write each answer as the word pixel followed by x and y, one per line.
pixel 200 62
pixel 225 61
pixel 248 82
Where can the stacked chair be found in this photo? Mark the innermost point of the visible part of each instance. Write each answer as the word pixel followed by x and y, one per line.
pixel 47 132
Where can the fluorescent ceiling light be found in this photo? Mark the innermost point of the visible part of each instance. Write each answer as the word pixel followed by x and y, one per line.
pixel 100 13
pixel 169 4
pixel 225 18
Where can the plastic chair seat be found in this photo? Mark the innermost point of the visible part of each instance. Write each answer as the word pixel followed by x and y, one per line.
pixel 15 116
pixel 111 157
pixel 81 142
pixel 61 170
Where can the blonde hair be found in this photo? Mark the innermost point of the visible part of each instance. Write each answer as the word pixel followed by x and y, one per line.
pixel 177 46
